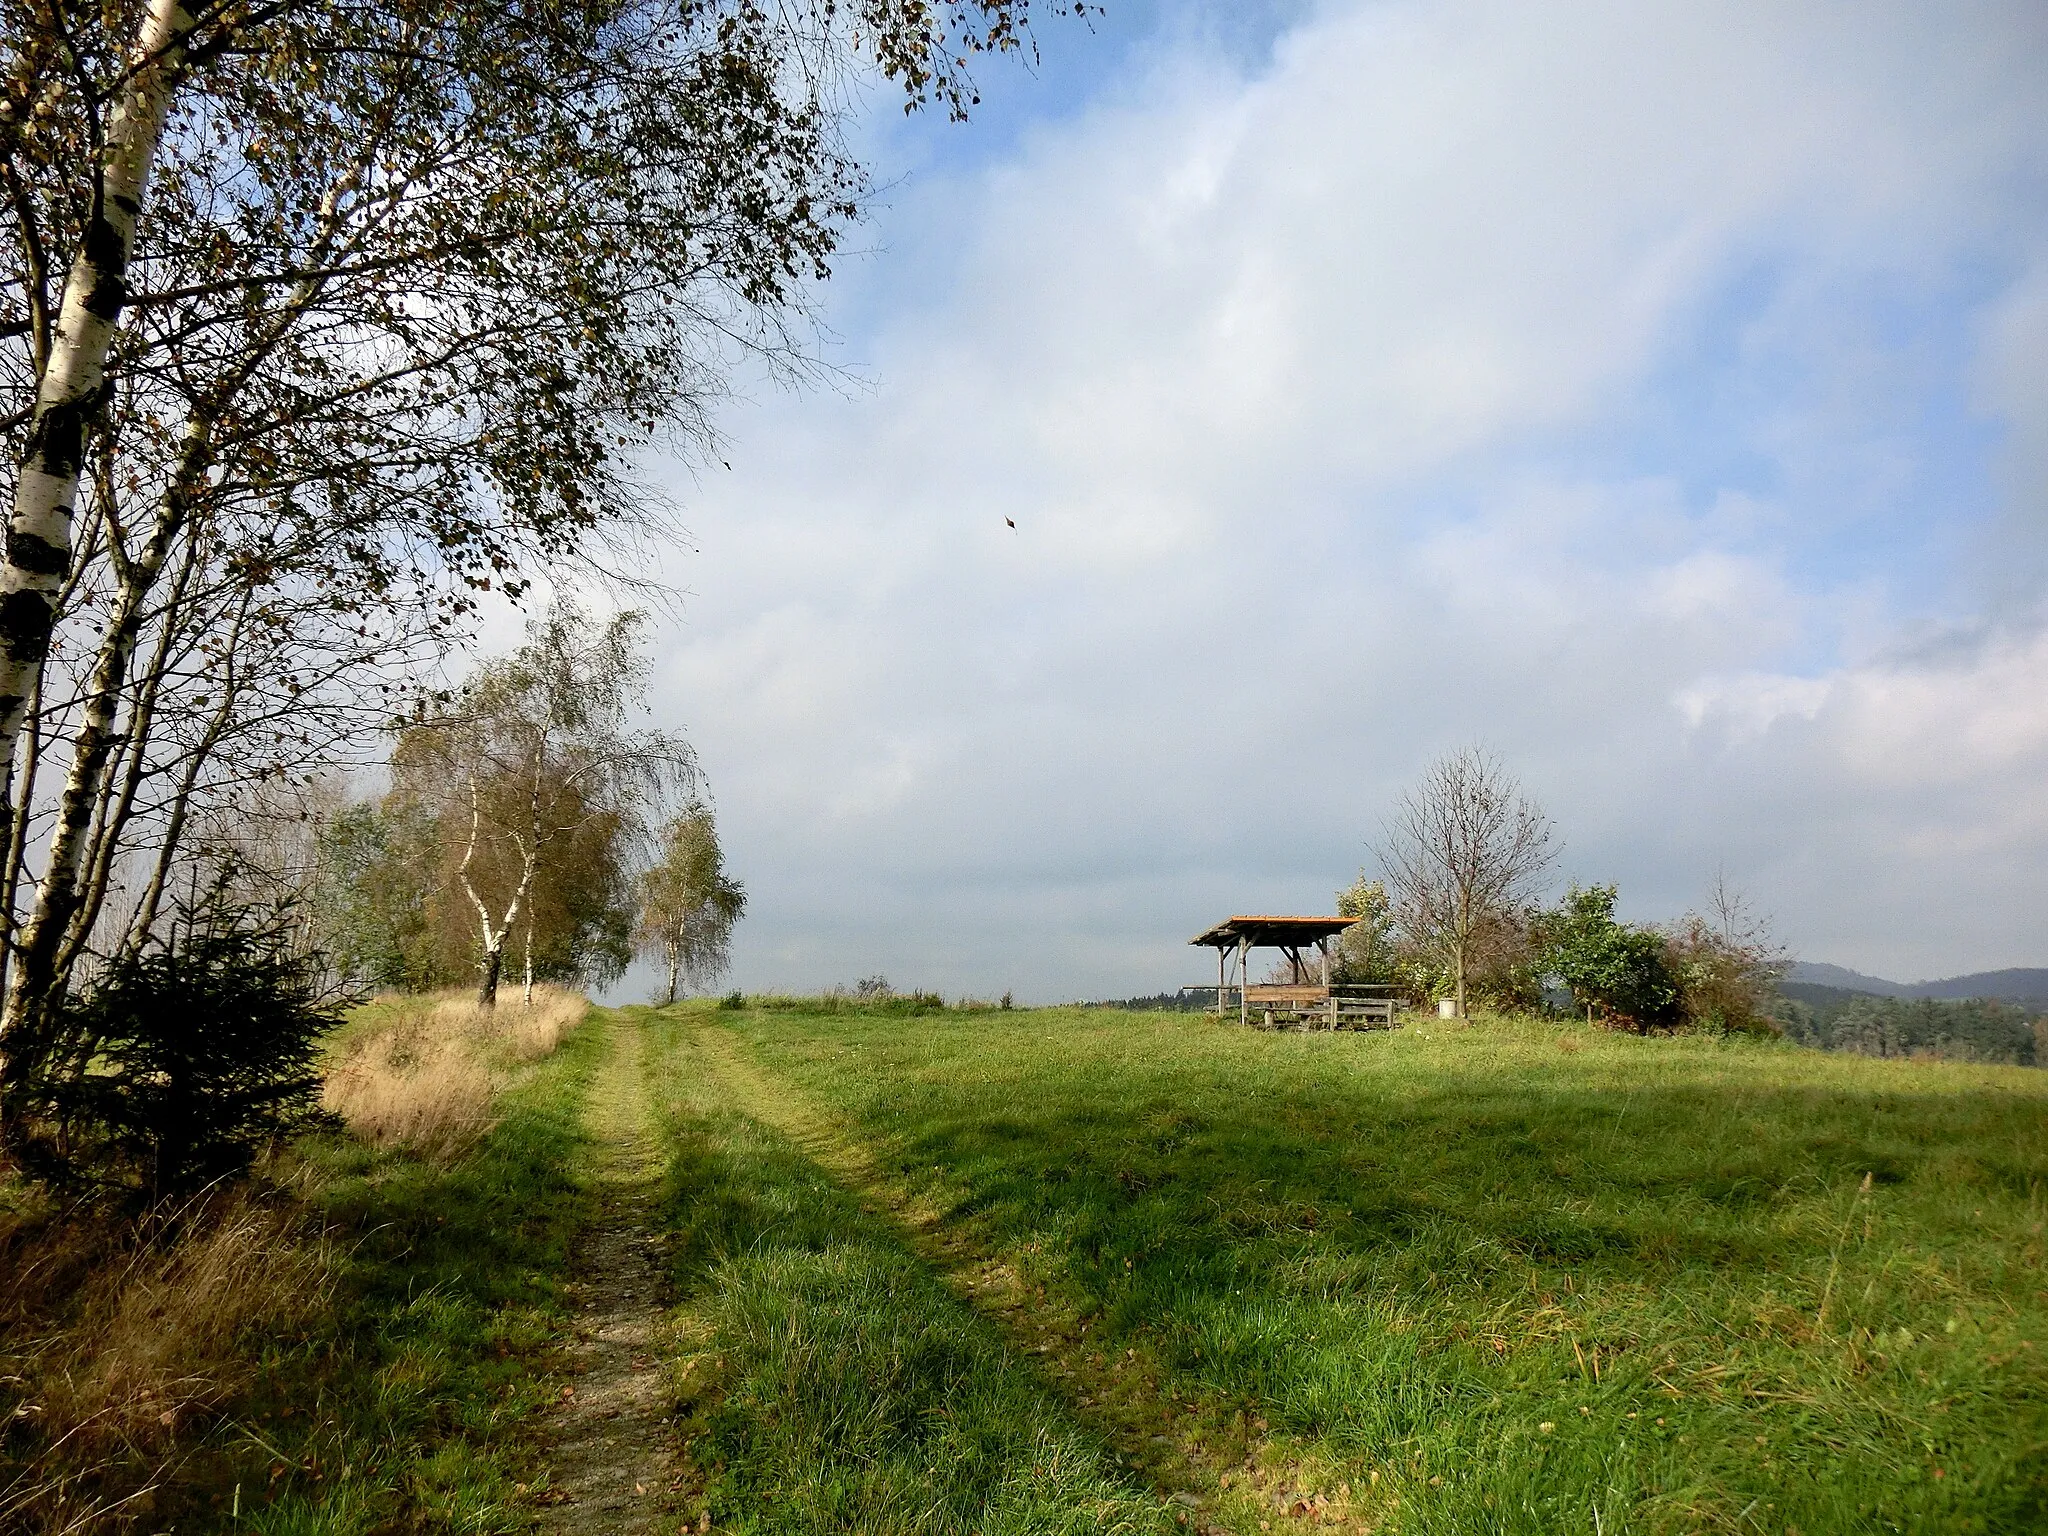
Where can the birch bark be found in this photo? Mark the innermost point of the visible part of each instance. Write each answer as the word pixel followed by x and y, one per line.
pixel 37 558
pixel 494 933
pixel 38 551
pixel 117 803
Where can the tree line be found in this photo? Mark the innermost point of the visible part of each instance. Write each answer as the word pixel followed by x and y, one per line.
pixel 1934 1028
pixel 1455 916
pixel 324 324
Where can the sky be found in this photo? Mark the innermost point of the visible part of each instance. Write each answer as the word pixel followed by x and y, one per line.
pixel 1652 394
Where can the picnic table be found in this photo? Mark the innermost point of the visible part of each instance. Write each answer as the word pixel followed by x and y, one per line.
pixel 1303 1001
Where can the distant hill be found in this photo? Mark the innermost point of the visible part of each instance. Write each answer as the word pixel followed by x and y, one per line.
pixel 2027 985
pixel 1817 973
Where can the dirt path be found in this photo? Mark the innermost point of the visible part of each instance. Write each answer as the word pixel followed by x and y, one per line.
pixel 1208 1462
pixel 609 1454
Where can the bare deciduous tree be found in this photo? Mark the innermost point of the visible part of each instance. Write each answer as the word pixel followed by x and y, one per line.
pixel 1463 851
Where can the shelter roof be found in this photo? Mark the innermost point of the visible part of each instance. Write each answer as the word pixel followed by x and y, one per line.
pixel 1270 932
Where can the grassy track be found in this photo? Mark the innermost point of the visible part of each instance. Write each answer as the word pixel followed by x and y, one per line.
pixel 837 1384
pixel 1051 1272
pixel 1505 1279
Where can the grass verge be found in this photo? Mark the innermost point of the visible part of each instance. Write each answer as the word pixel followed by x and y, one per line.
pixel 357 1343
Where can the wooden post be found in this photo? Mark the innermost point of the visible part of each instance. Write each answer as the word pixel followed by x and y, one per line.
pixel 1221 976
pixel 1244 1002
pixel 1329 995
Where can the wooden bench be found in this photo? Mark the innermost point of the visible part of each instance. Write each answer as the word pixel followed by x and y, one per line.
pixel 1302 1005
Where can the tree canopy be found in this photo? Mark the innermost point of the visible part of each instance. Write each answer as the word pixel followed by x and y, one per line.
pixel 322 320
pixel 689 904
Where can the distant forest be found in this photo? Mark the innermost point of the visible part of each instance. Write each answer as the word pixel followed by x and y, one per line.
pixel 1943 1029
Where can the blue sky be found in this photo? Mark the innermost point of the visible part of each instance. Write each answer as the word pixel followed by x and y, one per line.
pixel 1652 393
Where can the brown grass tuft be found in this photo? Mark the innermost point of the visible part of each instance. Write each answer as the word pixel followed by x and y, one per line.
pixel 526 1031
pixel 412 1086
pixel 424 1080
pixel 119 1346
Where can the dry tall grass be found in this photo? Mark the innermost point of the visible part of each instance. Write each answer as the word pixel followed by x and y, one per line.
pixel 111 1346
pixel 526 1031
pixel 424 1080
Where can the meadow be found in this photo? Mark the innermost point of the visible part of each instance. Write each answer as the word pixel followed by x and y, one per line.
pixel 1505 1277
pixel 952 1272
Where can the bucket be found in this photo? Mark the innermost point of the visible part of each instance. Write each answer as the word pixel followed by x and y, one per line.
pixel 1447 1007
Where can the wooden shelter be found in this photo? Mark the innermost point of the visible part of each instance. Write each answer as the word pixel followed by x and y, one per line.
pixel 1308 997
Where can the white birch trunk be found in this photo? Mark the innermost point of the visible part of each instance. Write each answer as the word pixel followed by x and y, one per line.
pixel 495 931
pixel 118 803
pixel 38 550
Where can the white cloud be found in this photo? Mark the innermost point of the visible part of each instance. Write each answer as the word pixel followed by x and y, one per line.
pixel 1347 413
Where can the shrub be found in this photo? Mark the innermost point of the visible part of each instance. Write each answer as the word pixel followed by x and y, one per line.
pixel 179 1064
pixel 733 1001
pixel 1726 980
pixel 1617 972
pixel 1367 951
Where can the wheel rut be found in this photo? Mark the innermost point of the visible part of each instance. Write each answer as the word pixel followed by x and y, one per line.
pixel 609 1450
pixel 1201 1466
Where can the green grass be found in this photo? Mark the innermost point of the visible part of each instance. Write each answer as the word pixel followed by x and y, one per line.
pixel 1511 1278
pixel 1003 1273
pixel 839 1387
pixel 406 1407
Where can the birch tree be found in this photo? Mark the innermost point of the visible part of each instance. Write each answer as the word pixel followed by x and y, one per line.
pixel 689 905
pixel 1463 851
pixel 376 302
pixel 538 752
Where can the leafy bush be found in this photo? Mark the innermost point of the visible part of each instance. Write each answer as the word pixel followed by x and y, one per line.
pixel 1368 951
pixel 178 1065
pixel 733 1001
pixel 1728 968
pixel 1618 972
